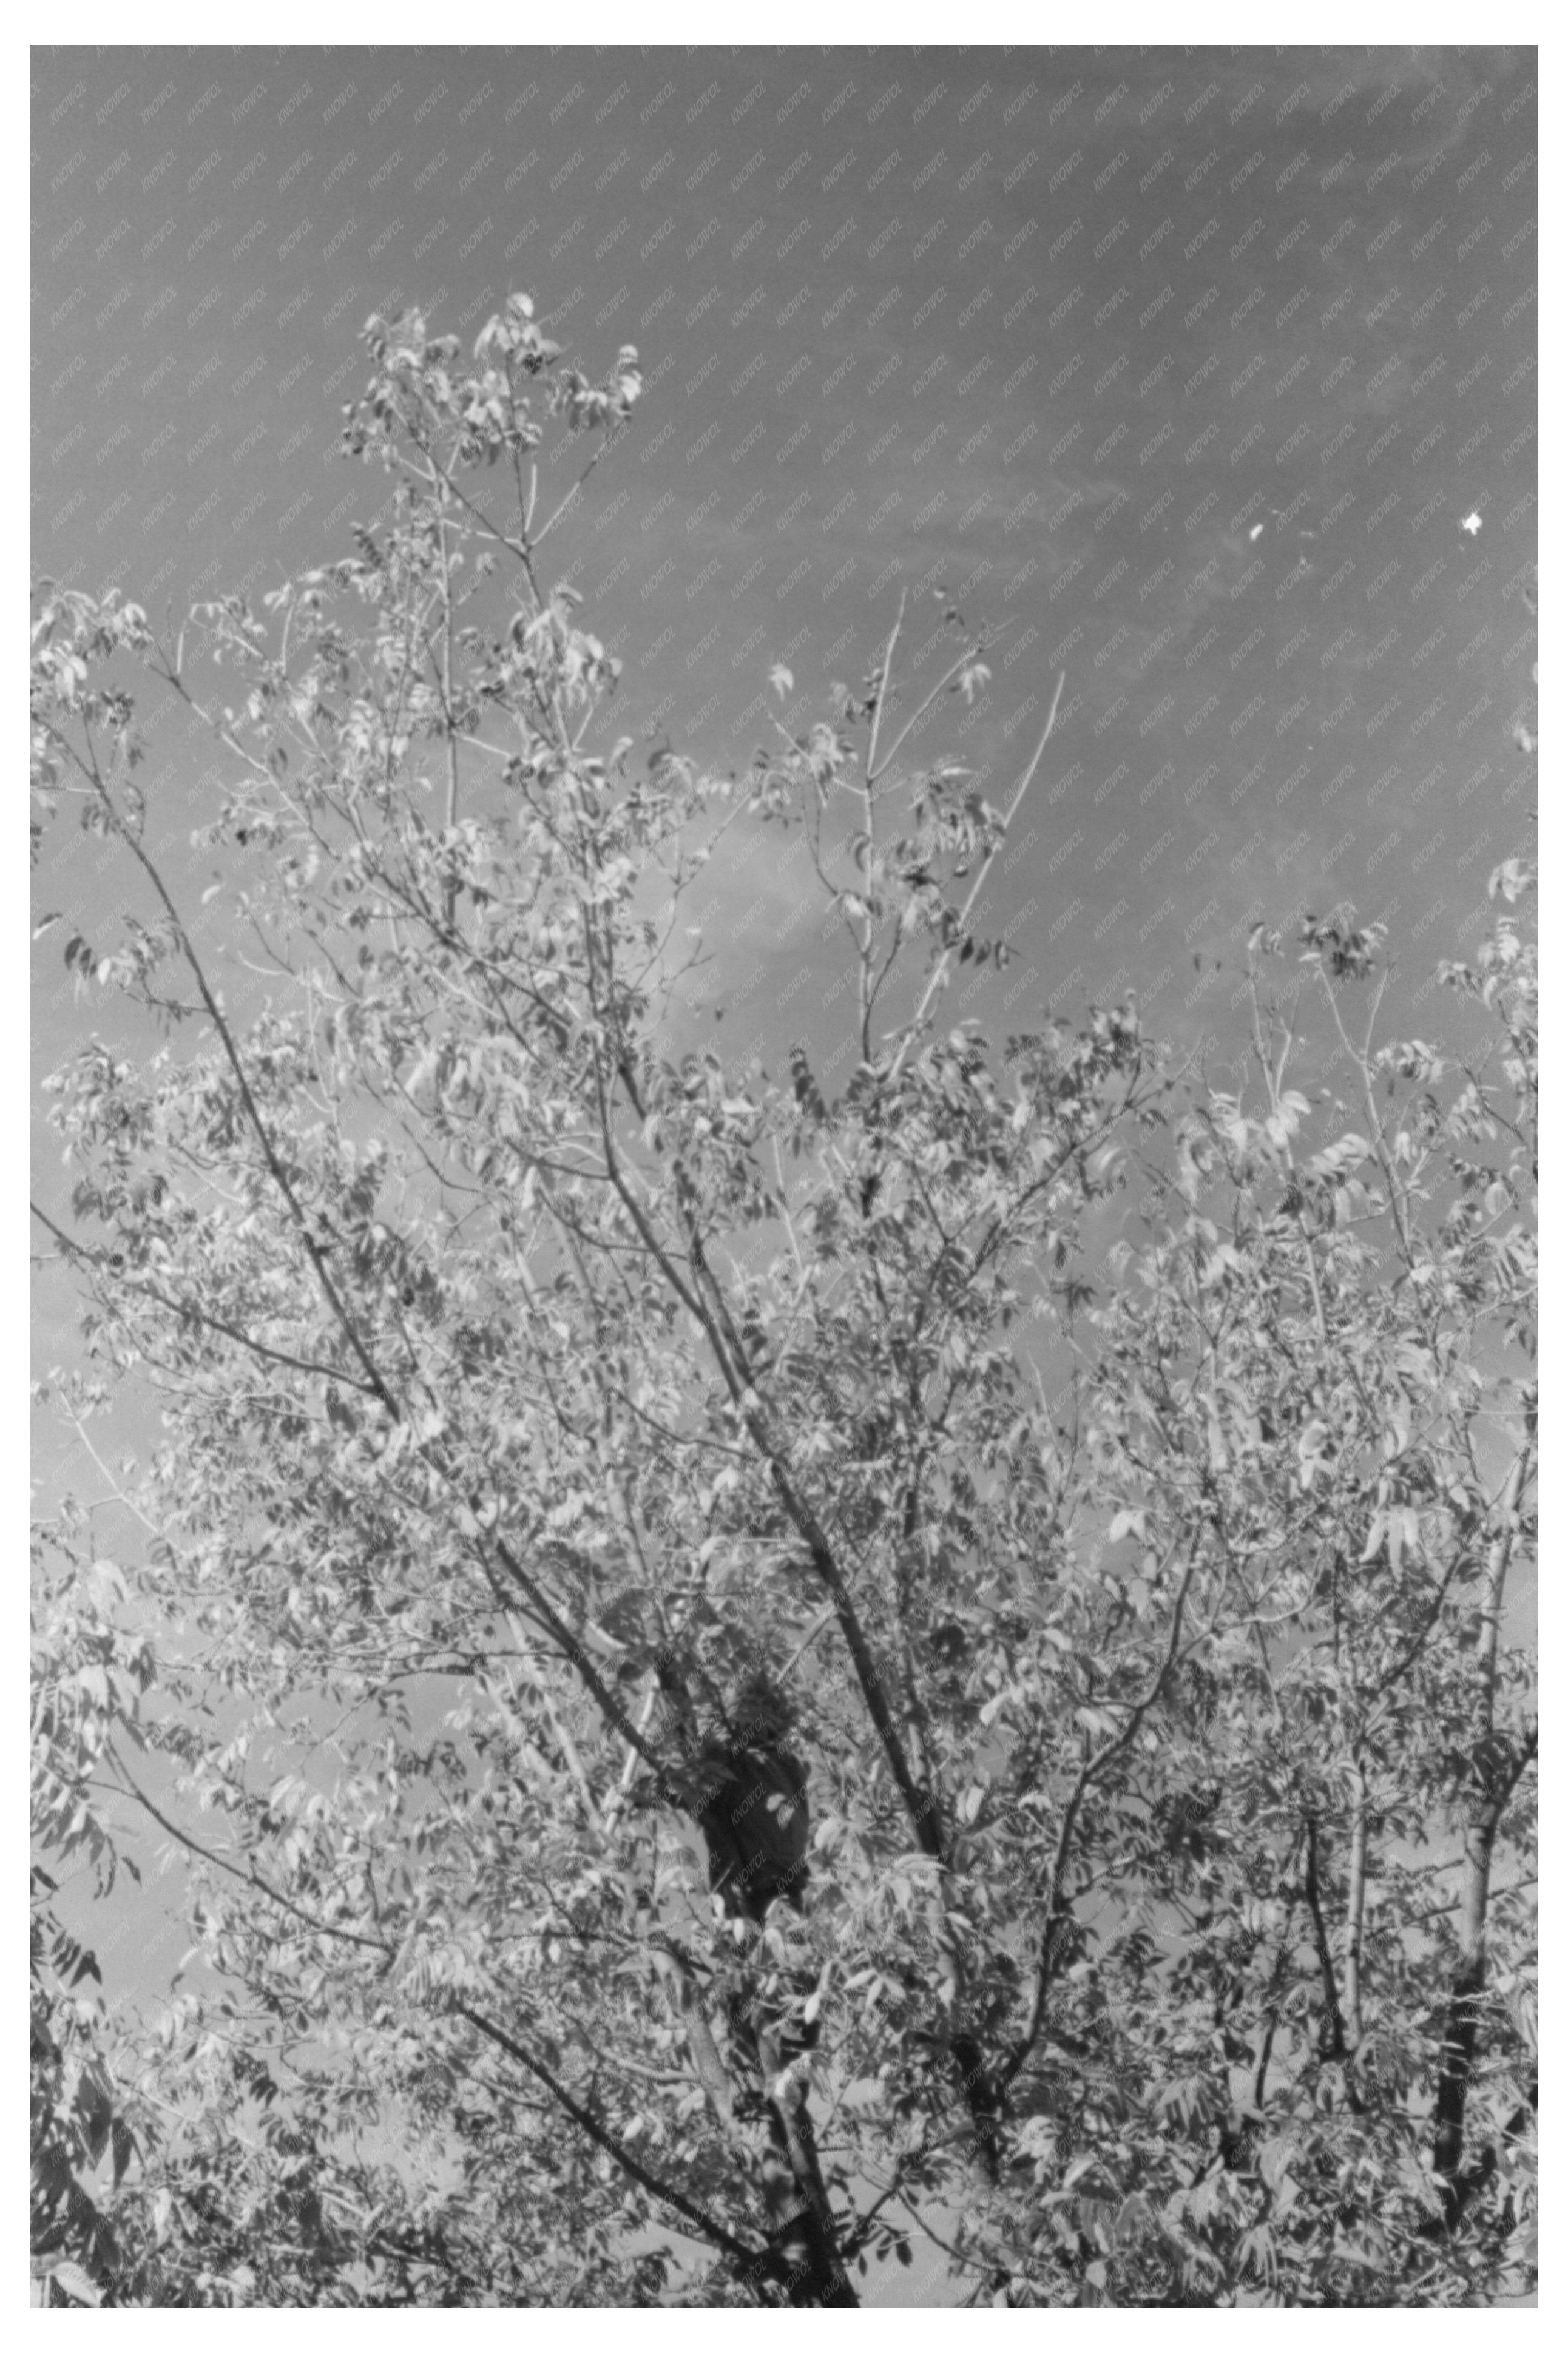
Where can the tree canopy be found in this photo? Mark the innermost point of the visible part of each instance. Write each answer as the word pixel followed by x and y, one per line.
pixel 1086 1493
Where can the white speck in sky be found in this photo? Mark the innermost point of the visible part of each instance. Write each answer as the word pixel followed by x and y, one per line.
pixel 1256 532
pixel 1471 523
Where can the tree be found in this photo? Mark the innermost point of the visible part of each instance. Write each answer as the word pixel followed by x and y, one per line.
pixel 73 2113
pixel 530 1387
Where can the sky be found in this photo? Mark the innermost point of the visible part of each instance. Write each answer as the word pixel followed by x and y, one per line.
pixel 1192 366
pixel 1209 373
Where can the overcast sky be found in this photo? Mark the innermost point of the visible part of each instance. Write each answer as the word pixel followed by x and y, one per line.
pixel 1188 365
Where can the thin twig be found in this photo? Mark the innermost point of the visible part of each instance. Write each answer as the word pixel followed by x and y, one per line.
pixel 914 1026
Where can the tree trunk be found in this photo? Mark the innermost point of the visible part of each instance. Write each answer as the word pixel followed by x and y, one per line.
pixel 800 2221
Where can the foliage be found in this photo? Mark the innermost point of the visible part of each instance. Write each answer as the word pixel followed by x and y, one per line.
pixel 73 2116
pixel 1123 1475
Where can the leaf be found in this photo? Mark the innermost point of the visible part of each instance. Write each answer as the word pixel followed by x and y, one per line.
pixel 1346 1152
pixel 75 2281
pixel 107 1579
pixel 1312 1452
